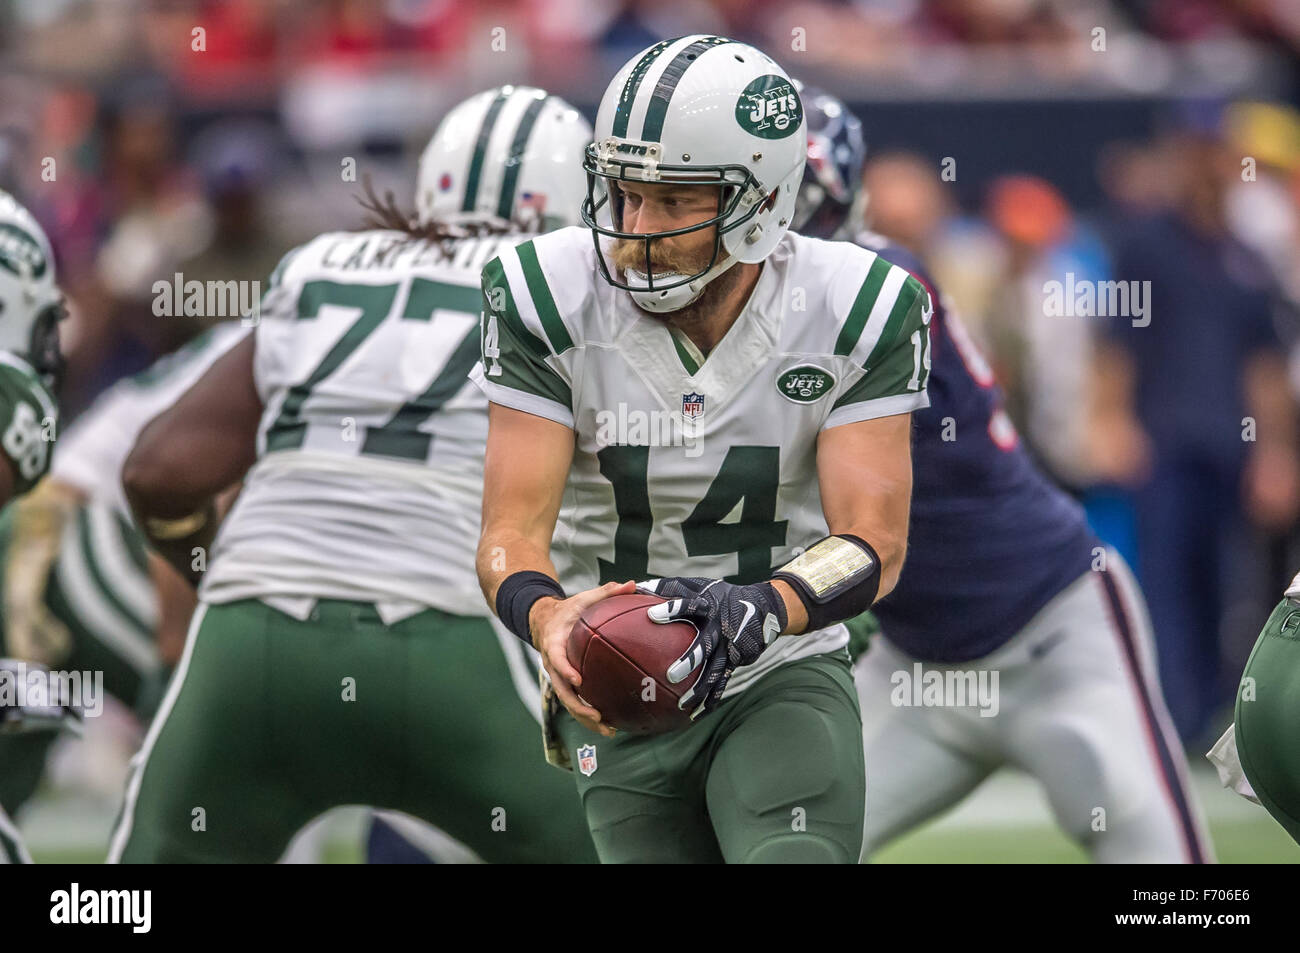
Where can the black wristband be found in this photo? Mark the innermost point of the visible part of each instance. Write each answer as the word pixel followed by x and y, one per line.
pixel 832 582
pixel 516 595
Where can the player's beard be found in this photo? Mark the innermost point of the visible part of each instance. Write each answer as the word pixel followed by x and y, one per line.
pixel 670 264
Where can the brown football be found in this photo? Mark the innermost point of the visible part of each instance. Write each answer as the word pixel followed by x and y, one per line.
pixel 623 659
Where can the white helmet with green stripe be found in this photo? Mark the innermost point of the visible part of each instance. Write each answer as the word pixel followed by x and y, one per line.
pixel 698 110
pixel 511 155
pixel 30 301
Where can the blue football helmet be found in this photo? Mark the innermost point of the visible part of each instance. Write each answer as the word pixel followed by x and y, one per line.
pixel 832 175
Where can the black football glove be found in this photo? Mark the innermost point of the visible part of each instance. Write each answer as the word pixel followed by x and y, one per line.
pixel 736 624
pixel 40 713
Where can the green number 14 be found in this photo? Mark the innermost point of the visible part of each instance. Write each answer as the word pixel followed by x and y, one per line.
pixel 749 478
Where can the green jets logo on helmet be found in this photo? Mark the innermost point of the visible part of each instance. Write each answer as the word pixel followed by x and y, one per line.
pixel 17 247
pixel 769 108
pixel 805 384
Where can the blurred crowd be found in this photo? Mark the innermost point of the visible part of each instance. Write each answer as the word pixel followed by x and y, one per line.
pixel 1173 420
pixel 156 137
pixel 252 46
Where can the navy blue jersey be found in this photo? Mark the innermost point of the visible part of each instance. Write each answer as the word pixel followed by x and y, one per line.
pixel 991 539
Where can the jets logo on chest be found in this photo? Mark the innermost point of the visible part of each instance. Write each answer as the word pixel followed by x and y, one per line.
pixel 692 406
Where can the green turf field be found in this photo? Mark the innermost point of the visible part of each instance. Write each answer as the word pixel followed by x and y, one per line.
pixel 1235 842
pixel 1005 821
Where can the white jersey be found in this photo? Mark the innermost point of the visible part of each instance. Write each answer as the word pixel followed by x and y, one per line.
pixel 90 453
pixel 687 466
pixel 368 482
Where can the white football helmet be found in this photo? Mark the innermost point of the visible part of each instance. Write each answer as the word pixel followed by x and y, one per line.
pixel 31 304
pixel 698 110
pixel 511 155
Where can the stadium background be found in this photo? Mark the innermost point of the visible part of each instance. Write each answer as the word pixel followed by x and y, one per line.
pixel 1009 141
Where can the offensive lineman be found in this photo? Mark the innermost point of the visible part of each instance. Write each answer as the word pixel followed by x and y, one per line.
pixel 1003 575
pixel 31 306
pixel 789 368
pixel 339 654
pixel 77 572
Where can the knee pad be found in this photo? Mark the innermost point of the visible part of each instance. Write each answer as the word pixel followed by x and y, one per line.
pixel 797 849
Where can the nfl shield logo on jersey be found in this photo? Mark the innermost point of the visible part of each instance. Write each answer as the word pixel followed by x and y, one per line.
pixel 692 406
pixel 587 759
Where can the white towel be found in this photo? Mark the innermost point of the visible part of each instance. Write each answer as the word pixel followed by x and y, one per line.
pixel 1224 758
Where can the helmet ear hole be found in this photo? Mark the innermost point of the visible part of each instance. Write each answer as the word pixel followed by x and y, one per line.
pixel 768 202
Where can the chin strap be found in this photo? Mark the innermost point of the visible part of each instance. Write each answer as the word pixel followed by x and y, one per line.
pixel 674 299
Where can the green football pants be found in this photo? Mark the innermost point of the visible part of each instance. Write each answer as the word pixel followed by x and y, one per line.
pixel 773 775
pixel 1268 716
pixel 271 721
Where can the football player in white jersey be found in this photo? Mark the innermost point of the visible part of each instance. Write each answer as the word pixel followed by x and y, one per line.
pixel 31 306
pixel 687 390
pixel 81 592
pixel 340 653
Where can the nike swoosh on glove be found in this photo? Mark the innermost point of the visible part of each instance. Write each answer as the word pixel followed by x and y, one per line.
pixel 735 626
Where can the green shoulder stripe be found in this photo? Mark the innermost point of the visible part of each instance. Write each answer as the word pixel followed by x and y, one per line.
pixel 498 299
pixel 520 361
pixel 552 324
pixel 907 296
pixel 899 365
pixel 861 310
